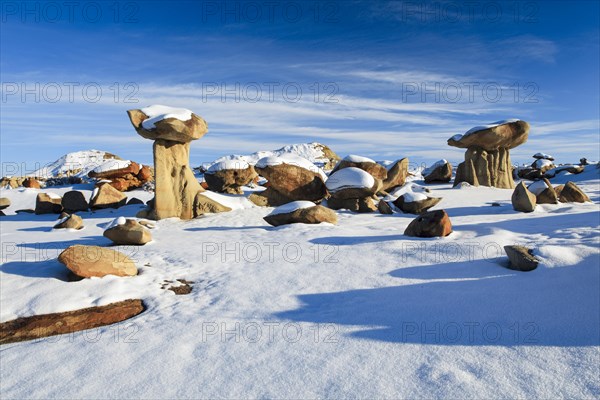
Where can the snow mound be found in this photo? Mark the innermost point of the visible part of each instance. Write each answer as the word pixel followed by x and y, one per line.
pixel 357 159
pixel 541 163
pixel 317 153
pixel 411 197
pixel 78 163
pixel 293 206
pixel 227 164
pixel 537 187
pixel 290 159
pixel 349 178
pixel 111 165
pixel 158 112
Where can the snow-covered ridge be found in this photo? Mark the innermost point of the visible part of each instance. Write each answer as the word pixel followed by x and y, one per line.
pixel 159 112
pixel 78 163
pixel 313 152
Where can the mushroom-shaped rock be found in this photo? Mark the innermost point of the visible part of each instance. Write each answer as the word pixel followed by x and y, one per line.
pixel 522 199
pixel 304 212
pixel 293 176
pixel 172 130
pixel 416 203
pixel 229 176
pixel 106 196
pixel 74 201
pixel 366 164
pixel 396 175
pixel 543 156
pixel 48 203
pixel 95 261
pixel 440 171
pixel 430 224
pixel 487 159
pixel 506 134
pixel 72 221
pixel 520 258
pixel 571 193
pixel 127 232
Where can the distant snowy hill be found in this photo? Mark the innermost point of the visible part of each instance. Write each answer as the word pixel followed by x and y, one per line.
pixel 78 163
pixel 319 154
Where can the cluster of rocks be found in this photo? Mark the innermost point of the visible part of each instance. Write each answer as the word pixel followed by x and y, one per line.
pixel 543 167
pixel 20 181
pixel 229 176
pixel 122 175
pixel 525 198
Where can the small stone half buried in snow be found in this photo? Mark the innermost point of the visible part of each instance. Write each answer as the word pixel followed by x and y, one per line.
pixel 520 258
pixel 40 326
pixel 305 212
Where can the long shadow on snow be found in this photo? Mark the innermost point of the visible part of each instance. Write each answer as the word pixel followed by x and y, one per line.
pixel 489 306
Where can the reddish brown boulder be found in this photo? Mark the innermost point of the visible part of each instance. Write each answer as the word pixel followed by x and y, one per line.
pixel 145 174
pixel 133 169
pixel 40 326
pixel 430 224
pixel 31 183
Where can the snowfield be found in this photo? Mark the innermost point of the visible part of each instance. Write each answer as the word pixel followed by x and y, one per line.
pixel 356 310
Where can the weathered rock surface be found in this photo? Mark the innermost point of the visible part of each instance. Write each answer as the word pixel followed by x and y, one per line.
pixel 294 181
pixel 376 170
pixel 520 258
pixel 571 193
pixel 95 261
pixel 4 203
pixel 48 203
pixel 107 196
pixel 72 221
pixel 441 171
pixel 74 201
pixel 548 195
pixel 360 205
pixel 396 175
pixel 229 180
pixel 269 198
pixel 499 135
pixel 314 214
pixel 418 206
pixel 430 224
pixel 40 326
pixel 522 199
pixel 129 233
pixel 384 207
pixel 31 183
pixel 205 205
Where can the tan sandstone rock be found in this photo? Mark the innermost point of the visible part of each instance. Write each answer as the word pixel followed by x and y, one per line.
pixel 94 261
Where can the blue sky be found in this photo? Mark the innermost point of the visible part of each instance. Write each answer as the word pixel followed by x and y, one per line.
pixel 394 79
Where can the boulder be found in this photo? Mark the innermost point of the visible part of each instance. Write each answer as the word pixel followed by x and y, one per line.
pixel 294 177
pixel 145 174
pixel 571 193
pixel 487 159
pixel 543 165
pixel 440 171
pixel 128 232
pixel 4 203
pixel 31 183
pixel 352 183
pixel 40 326
pixel 520 258
pixel 94 261
pixel 113 169
pixel 304 212
pixel 572 169
pixel 125 183
pixel 522 199
pixel 543 156
pixel 416 203
pixel 172 130
pixel 74 201
pixel 203 204
pixel 547 195
pixel 360 205
pixel 384 207
pixel 229 176
pixel 366 164
pixel 48 203
pixel 72 221
pixel 430 224
pixel 396 175
pixel 269 198
pixel 105 196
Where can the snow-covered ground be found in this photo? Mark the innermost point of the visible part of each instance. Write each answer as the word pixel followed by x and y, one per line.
pixel 304 311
